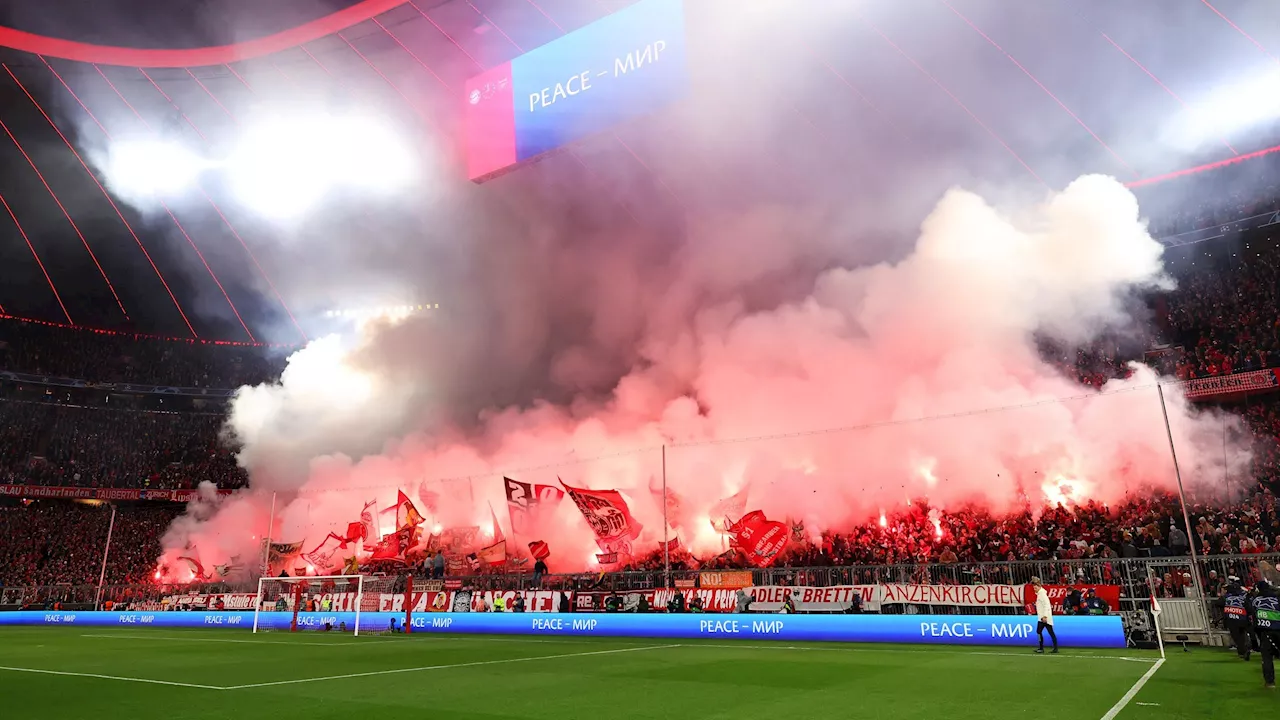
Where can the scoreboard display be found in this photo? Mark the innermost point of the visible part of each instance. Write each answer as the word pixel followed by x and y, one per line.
pixel 627 64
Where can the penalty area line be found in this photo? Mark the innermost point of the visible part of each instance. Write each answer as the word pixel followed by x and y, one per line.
pixel 504 661
pixel 111 677
pixel 1124 701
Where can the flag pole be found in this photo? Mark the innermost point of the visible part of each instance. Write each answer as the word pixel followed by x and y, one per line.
pixel 666 542
pixel 266 541
pixel 102 577
pixel 1182 499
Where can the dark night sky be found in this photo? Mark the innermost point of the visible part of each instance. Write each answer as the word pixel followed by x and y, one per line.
pixel 836 93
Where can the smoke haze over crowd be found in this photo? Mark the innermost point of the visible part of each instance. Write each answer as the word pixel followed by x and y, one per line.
pixel 752 329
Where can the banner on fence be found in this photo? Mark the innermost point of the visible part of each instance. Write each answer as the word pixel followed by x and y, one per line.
pixel 1222 386
pixel 731 580
pixel 444 597
pixel 85 493
pixel 953 595
pixel 1110 594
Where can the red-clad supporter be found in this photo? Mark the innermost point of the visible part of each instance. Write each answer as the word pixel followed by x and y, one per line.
pixel 61 542
pixel 52 444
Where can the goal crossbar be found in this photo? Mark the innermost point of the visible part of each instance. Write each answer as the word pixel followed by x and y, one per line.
pixel 308 594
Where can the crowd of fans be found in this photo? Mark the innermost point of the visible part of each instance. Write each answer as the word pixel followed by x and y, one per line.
pixel 1223 318
pixel 61 543
pixel 38 349
pixel 54 444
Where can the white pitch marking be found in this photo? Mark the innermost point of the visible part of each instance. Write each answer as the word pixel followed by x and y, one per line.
pixel 1120 705
pixel 446 667
pixel 1148 704
pixel 112 677
pixel 838 648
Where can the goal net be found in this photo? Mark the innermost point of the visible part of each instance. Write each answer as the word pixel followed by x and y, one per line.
pixel 327 603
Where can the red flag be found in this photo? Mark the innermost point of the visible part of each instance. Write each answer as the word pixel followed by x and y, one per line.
pixel 196 568
pixel 539 550
pixel 759 538
pixel 495 554
pixel 355 531
pixel 322 557
pixel 527 504
pixel 369 519
pixel 608 515
pixel 388 548
pixel 406 514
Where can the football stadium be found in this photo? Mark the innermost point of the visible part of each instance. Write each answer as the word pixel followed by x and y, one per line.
pixel 639 358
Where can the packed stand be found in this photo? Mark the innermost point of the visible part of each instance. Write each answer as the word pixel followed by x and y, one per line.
pixel 49 543
pixel 49 444
pixel 38 349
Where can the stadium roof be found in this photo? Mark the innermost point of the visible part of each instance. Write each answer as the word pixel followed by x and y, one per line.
pixel 895 96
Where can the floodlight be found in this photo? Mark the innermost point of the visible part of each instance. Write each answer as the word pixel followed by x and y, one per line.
pixel 148 168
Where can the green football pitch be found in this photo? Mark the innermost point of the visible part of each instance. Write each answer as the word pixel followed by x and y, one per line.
pixel 102 673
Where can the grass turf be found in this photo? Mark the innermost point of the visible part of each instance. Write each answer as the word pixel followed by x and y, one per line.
pixel 317 676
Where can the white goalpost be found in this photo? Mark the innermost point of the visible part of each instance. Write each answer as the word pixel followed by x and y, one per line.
pixel 333 603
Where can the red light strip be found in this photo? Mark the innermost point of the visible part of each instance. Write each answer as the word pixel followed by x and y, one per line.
pixel 862 96
pixel 495 25
pixel 1238 29
pixel 67 215
pixel 36 255
pixel 548 17
pixel 411 53
pixel 426 118
pixel 1159 82
pixel 94 178
pixel 994 135
pixel 196 57
pixel 227 222
pixel 168 99
pixel 1046 90
pixel 145 336
pixel 183 230
pixel 427 17
pixel 213 97
pixel 1203 168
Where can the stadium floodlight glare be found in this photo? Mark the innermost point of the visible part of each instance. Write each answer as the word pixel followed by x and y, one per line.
pixel 150 168
pixel 284 166
pixel 369 155
pixel 279 168
pixel 1229 109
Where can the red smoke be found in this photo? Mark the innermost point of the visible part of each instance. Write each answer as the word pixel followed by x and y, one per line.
pixel 926 368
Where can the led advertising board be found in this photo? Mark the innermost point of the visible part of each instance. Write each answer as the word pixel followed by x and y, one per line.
pixel 1011 630
pixel 627 64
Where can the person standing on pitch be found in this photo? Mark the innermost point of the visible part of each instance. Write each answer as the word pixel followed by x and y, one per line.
pixel 1236 617
pixel 1044 613
pixel 1264 610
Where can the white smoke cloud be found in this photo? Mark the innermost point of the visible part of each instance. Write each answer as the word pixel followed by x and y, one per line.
pixel 750 333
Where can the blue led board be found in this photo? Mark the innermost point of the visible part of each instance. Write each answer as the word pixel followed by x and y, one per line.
pixel 1016 630
pixel 626 64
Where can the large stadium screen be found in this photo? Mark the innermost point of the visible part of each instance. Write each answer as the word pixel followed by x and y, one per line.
pixel 627 64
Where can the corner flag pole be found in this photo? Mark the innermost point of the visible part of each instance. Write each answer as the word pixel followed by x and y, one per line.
pixel 102 577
